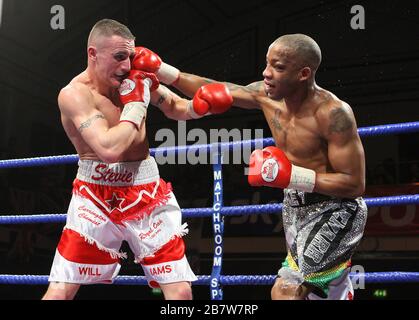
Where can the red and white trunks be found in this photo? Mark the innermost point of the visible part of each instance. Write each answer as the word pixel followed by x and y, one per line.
pixel 115 202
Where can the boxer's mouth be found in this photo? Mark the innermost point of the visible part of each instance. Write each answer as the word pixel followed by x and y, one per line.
pixel 121 77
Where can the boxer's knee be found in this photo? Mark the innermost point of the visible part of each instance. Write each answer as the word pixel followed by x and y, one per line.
pixel 284 290
pixel 61 291
pixel 177 291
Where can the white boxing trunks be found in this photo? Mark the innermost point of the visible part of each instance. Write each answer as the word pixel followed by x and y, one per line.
pixel 116 202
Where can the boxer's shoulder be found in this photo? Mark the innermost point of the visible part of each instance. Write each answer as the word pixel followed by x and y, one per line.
pixel 74 91
pixel 330 109
pixel 326 101
pixel 80 84
pixel 75 96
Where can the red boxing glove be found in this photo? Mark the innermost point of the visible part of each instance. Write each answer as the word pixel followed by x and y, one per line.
pixel 211 98
pixel 271 167
pixel 146 60
pixel 134 93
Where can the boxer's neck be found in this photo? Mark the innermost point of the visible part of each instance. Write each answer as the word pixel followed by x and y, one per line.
pixel 100 86
pixel 296 101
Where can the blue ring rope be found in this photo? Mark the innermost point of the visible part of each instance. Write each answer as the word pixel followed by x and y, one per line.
pixel 398 128
pixel 273 208
pixel 369 277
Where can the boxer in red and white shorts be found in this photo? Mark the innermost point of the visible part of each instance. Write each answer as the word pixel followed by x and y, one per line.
pixel 118 194
pixel 115 202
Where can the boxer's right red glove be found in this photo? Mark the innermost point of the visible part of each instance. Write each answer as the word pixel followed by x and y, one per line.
pixel 210 99
pixel 271 167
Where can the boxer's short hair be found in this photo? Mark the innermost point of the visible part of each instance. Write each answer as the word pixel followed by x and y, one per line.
pixel 108 28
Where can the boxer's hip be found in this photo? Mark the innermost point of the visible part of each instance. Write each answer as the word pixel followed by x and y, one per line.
pixel 119 174
pixel 321 231
pixel 121 191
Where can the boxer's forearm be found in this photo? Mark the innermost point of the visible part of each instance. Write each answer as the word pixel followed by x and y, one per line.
pixel 110 144
pixel 188 84
pixel 213 98
pixel 173 106
pixel 245 97
pixel 339 185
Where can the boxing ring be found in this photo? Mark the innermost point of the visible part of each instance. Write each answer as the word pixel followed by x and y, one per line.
pixel 216 279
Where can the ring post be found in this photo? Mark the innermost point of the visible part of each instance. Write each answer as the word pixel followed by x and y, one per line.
pixel 218 224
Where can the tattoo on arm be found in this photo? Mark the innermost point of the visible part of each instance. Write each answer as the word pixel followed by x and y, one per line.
pixel 89 121
pixel 339 121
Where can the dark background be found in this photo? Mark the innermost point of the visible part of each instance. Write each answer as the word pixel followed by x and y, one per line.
pixel 375 70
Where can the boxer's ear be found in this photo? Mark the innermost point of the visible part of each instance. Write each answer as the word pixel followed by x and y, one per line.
pixel 92 53
pixel 305 73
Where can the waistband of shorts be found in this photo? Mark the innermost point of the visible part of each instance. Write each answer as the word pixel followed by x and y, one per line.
pixel 295 198
pixel 119 173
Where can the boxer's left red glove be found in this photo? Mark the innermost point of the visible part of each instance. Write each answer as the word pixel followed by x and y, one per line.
pixel 211 98
pixel 134 93
pixel 148 61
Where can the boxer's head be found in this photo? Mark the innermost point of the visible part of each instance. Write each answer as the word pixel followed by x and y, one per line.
pixel 291 61
pixel 109 48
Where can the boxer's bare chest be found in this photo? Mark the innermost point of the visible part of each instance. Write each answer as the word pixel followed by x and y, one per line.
pixel 109 107
pixel 298 135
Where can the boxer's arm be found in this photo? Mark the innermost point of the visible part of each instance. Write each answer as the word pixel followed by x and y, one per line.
pixel 345 154
pixel 76 103
pixel 173 106
pixel 246 97
pixel 212 98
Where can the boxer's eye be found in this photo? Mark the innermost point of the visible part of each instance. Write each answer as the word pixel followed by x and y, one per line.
pixel 120 57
